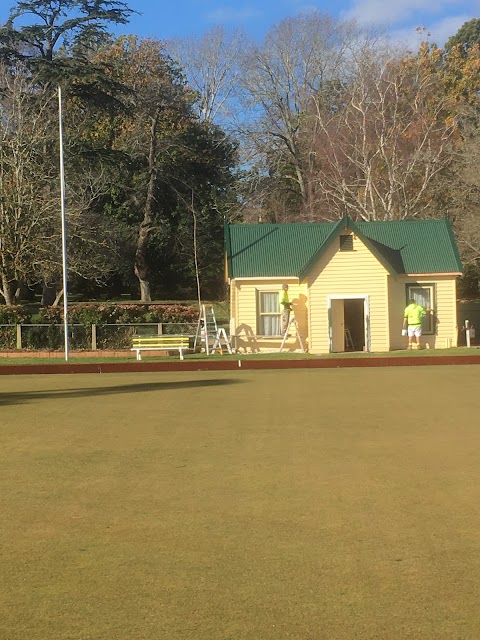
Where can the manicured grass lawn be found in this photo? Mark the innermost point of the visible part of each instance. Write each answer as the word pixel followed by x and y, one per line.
pixel 305 504
pixel 285 355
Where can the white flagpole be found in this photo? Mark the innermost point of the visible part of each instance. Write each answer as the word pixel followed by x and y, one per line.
pixel 64 225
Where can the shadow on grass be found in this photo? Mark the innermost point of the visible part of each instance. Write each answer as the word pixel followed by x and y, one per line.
pixel 18 397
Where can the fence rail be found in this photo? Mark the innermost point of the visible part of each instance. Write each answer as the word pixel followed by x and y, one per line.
pixel 50 337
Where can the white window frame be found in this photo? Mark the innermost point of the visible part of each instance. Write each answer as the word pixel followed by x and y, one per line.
pixel 262 314
pixel 430 329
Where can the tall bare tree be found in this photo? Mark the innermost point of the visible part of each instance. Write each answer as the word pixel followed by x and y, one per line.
pixel 30 241
pixel 211 63
pixel 25 178
pixel 299 58
pixel 389 135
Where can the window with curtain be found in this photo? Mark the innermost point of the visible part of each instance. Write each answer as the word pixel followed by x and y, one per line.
pixel 424 296
pixel 268 313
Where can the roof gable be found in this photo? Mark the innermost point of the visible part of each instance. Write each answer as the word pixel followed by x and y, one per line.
pixel 291 250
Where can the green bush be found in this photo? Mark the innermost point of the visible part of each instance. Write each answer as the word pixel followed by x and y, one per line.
pixel 102 313
pixel 16 314
pixel 8 337
pixel 84 314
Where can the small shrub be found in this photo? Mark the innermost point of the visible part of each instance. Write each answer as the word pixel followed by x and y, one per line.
pixel 179 318
pixel 104 313
pixel 8 337
pixel 16 314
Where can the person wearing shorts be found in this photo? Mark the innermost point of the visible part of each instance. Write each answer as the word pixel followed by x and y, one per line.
pixel 412 323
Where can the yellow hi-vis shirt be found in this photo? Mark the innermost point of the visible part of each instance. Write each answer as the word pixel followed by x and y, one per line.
pixel 413 314
pixel 283 298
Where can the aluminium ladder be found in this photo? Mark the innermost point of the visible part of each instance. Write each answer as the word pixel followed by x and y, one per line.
pixel 291 322
pixel 349 346
pixel 217 345
pixel 207 328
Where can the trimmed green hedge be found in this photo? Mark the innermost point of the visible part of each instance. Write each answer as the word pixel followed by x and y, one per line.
pixel 102 313
pixel 14 314
pixel 81 317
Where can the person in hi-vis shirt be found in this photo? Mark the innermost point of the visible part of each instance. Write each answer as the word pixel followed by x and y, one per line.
pixel 285 307
pixel 412 323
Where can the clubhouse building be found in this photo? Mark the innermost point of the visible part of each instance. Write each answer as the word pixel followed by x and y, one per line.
pixel 349 283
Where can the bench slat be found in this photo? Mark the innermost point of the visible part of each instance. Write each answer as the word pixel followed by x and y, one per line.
pixel 161 342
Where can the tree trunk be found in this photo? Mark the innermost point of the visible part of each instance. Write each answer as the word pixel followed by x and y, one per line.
pixel 21 292
pixel 58 297
pixel 141 268
pixel 6 291
pixel 49 294
pixel 145 295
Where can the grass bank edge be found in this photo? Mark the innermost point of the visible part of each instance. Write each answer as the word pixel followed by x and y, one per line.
pixel 59 359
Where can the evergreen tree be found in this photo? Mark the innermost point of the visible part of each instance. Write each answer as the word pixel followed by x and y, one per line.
pixel 467 36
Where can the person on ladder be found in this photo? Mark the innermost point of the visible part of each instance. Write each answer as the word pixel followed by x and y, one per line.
pixel 285 307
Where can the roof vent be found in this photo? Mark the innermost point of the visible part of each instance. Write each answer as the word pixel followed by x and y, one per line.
pixel 346 243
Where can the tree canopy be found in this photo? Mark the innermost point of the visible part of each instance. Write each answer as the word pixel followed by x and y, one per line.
pixel 466 37
pixel 164 141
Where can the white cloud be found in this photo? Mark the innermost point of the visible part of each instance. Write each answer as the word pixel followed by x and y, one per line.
pixel 231 14
pixel 438 32
pixel 387 13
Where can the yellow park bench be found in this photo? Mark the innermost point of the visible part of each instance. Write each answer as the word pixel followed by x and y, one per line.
pixel 161 343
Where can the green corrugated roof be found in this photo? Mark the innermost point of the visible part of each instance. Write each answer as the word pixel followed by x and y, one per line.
pixel 283 250
pixel 419 246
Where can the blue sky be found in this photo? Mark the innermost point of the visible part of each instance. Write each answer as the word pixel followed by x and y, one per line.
pixel 165 20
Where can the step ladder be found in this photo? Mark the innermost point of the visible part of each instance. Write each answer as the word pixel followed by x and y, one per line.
pixel 292 322
pixel 219 338
pixel 349 346
pixel 207 329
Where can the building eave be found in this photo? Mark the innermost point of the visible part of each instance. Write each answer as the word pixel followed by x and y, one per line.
pixel 431 274
pixel 250 278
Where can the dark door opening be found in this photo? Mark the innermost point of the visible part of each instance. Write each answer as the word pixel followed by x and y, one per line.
pixel 354 314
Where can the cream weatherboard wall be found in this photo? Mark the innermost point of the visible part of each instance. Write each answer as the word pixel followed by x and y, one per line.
pixel 444 309
pixel 348 273
pixel 244 312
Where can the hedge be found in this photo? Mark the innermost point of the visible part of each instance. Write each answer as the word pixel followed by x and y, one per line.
pixel 101 313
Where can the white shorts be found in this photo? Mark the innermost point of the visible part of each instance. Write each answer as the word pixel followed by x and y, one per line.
pixel 415 330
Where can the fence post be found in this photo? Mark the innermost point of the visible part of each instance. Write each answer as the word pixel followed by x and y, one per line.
pixel 160 328
pixel 94 337
pixel 19 336
pixel 467 332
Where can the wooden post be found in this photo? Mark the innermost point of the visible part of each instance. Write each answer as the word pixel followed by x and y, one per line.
pixel 467 332
pixel 19 336
pixel 94 337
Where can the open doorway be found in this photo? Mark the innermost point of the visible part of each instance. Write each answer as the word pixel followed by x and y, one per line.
pixel 348 323
pixel 354 313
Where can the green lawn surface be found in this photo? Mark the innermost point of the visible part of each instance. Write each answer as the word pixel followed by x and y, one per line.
pixel 285 355
pixel 337 504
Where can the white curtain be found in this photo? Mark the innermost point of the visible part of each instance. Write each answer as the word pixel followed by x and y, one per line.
pixel 423 297
pixel 269 304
